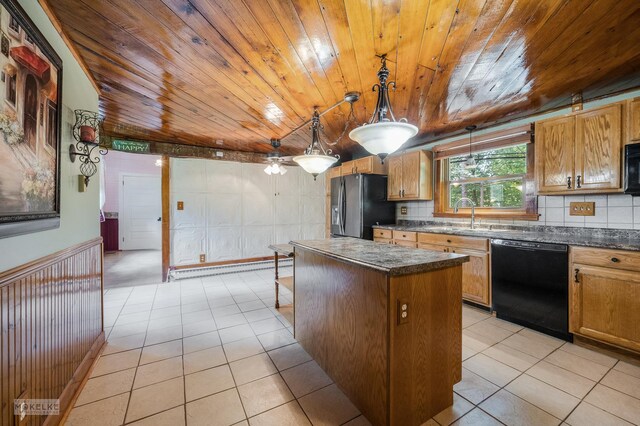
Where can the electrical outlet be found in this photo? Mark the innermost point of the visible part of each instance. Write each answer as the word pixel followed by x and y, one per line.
pixel 403 311
pixel 582 209
pixel 403 210
pixel 202 258
pixel 180 205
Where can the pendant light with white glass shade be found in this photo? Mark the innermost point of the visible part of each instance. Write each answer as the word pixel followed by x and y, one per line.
pixel 316 158
pixel 383 134
pixel 470 162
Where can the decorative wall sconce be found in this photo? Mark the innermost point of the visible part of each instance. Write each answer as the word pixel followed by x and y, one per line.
pixel 86 132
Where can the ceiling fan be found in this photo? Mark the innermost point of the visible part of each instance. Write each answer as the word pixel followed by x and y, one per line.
pixel 275 160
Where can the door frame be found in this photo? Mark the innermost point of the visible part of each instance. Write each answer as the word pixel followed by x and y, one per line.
pixel 121 177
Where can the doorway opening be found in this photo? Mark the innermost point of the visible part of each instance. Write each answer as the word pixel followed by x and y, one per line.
pixel 132 226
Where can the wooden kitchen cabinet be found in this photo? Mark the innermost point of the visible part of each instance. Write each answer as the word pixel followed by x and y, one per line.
pixel 580 152
pixel 383 236
pixel 410 176
pixel 634 120
pixel 604 296
pixel 598 149
pixel 475 273
pixel 367 165
pixel 554 154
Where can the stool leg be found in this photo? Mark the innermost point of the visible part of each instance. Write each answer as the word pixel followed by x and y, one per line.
pixel 275 257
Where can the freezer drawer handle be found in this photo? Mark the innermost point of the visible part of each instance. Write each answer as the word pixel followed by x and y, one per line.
pixel 575 275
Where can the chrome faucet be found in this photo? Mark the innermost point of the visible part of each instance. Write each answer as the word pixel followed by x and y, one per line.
pixel 473 209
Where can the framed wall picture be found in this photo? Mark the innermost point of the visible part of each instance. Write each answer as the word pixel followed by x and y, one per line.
pixel 30 126
pixel 4 45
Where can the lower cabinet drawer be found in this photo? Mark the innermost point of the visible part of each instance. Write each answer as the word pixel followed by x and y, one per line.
pixel 405 236
pixel 404 243
pixel 615 259
pixel 433 247
pixel 454 240
pixel 383 240
pixel 382 233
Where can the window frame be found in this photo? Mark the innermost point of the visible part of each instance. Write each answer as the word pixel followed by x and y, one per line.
pixel 529 210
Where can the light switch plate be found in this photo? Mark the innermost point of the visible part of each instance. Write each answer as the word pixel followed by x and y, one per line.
pixel 582 208
pixel 180 205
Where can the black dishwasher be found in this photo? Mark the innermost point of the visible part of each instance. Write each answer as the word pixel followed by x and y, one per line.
pixel 530 285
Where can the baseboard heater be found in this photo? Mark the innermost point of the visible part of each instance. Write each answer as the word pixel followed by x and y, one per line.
pixel 233 268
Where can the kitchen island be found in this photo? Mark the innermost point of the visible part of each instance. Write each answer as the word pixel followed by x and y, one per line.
pixel 384 322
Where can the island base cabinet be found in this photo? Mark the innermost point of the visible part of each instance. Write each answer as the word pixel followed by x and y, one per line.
pixel 397 370
pixel 605 305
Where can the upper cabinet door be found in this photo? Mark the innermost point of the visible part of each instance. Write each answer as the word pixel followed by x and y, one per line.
pixel 555 154
pixel 598 146
pixel 364 165
pixel 411 175
pixel 394 190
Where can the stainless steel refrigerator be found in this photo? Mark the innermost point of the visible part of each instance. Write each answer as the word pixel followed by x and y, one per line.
pixel 357 203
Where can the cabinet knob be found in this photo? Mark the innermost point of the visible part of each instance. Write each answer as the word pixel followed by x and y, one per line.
pixel 448 241
pixel 578 179
pixel 568 182
pixel 575 275
pixel 615 260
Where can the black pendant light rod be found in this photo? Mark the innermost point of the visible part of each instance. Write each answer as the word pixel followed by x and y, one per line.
pixel 383 106
pixel 350 97
pixel 470 129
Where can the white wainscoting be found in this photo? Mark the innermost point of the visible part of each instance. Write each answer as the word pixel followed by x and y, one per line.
pixel 235 210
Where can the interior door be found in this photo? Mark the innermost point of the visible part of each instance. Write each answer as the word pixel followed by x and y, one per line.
pixel 598 146
pixel 555 154
pixel 411 175
pixel 394 191
pixel 140 213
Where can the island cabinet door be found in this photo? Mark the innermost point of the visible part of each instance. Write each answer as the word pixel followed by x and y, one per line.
pixel 555 154
pixel 605 305
pixel 598 148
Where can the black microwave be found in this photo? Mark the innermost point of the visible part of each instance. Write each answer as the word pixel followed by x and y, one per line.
pixel 632 169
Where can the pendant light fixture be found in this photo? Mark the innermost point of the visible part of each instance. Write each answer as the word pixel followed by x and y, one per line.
pixel 470 163
pixel 383 134
pixel 316 159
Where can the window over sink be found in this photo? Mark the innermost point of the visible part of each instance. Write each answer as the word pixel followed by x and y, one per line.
pixel 502 183
pixel 496 182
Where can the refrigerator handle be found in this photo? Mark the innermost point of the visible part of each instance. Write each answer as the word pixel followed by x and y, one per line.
pixel 343 206
pixel 339 213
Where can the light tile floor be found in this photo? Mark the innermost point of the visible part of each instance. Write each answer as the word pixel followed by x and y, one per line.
pixel 213 351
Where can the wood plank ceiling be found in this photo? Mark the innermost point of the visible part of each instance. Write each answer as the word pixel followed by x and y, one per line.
pixel 244 71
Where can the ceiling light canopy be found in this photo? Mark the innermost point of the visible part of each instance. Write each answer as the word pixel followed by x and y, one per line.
pixel 316 159
pixel 383 134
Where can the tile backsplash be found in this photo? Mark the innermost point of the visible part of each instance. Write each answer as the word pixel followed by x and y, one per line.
pixel 617 211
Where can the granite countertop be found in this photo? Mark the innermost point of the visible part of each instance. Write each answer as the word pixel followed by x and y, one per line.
pixel 621 239
pixel 394 260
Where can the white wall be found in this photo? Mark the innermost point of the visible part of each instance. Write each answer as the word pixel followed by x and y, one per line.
pixel 117 163
pixel 79 211
pixel 235 210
